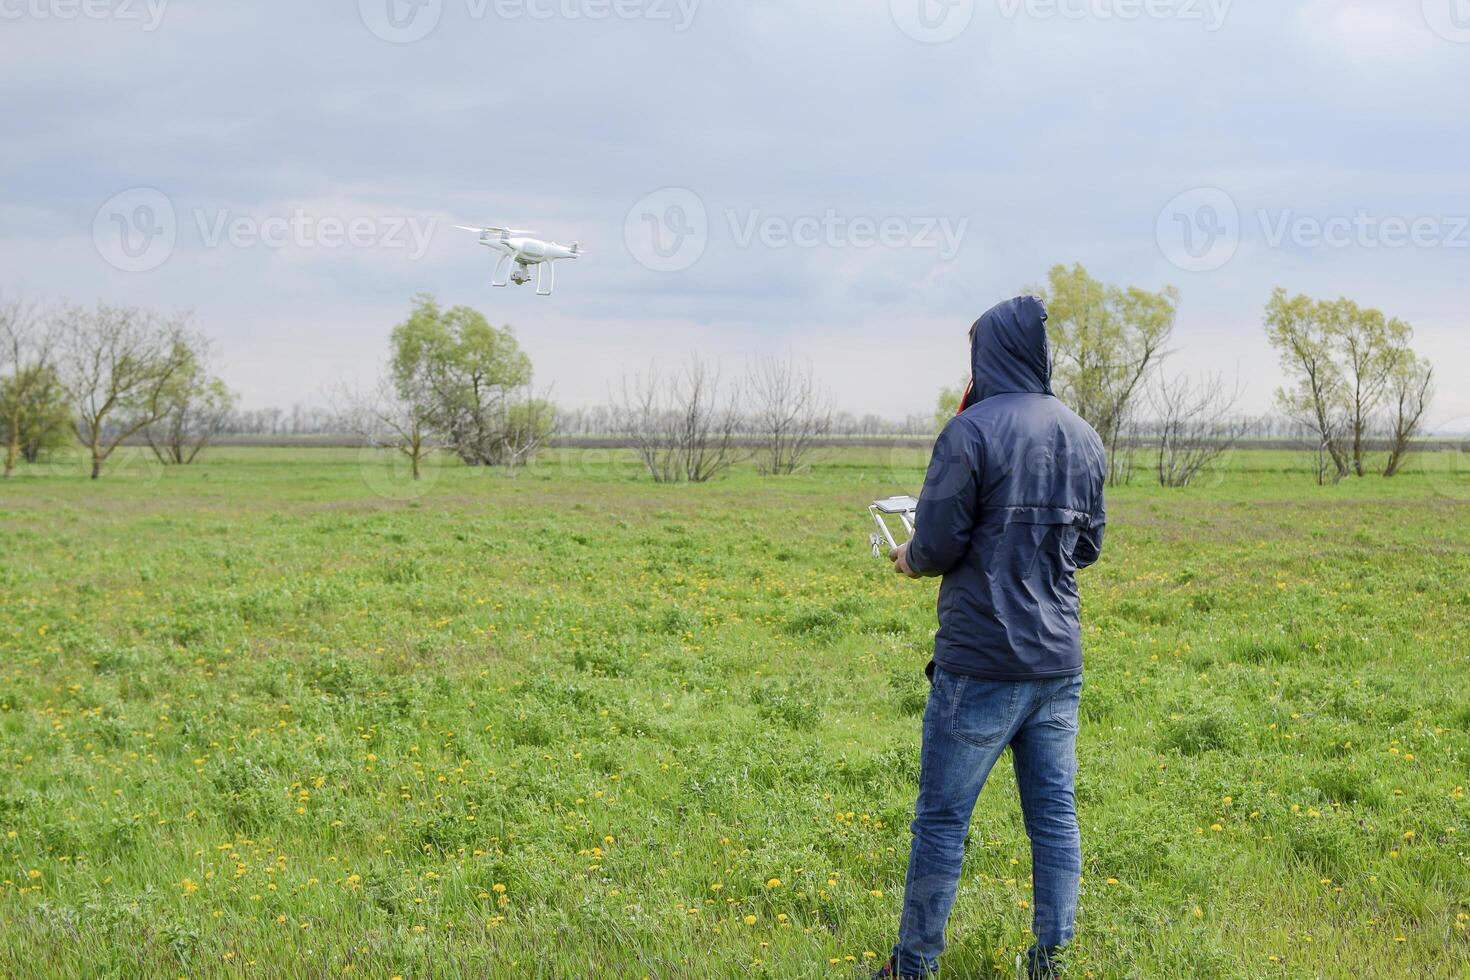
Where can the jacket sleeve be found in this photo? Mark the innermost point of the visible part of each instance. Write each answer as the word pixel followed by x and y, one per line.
pixel 949 502
pixel 1090 541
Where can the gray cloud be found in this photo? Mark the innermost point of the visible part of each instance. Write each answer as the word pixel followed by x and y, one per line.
pixel 1054 137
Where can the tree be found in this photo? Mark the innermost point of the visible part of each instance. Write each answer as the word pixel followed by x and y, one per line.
pixel 948 404
pixel 464 372
pixel 707 427
pixel 680 427
pixel 1344 363
pixel 33 410
pixel 789 413
pixel 36 413
pixel 645 418
pixel 1105 342
pixel 384 417
pixel 525 424
pixel 117 365
pixel 194 406
pixel 1315 398
pixel 1410 390
pixel 1370 346
pixel 1196 426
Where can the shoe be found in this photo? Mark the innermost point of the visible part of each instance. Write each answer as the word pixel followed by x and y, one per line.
pixel 889 971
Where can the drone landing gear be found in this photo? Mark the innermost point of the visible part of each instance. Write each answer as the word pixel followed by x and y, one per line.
pixel 545 279
pixel 501 267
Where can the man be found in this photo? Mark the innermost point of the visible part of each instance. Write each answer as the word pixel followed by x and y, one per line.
pixel 1012 506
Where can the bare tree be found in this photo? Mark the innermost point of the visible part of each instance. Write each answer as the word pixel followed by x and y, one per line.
pixel 117 365
pixel 1410 390
pixel 789 413
pixel 29 395
pixel 385 419
pixel 644 418
pixel 680 426
pixel 1196 426
pixel 709 427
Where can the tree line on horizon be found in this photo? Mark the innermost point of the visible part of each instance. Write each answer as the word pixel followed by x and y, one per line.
pixel 455 384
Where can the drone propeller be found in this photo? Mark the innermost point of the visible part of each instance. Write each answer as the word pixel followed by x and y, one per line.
pixel 497 230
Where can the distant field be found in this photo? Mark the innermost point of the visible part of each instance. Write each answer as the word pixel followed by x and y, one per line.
pixel 278 714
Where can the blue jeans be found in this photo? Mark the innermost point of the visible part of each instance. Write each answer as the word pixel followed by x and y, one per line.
pixel 967 724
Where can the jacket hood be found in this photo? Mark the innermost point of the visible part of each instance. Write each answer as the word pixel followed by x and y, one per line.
pixel 1009 351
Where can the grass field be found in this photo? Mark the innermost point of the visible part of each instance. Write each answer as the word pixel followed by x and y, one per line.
pixel 269 716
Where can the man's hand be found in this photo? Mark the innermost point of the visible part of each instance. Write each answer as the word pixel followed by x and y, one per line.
pixel 900 558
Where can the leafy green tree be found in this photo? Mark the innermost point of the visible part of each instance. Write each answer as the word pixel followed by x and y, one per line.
pixel 33 412
pixel 34 415
pixel 194 405
pixel 1105 342
pixel 466 374
pixel 1346 364
pixel 1370 346
pixel 949 403
pixel 1315 396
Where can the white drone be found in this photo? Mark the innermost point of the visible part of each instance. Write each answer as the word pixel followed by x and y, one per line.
pixel 513 244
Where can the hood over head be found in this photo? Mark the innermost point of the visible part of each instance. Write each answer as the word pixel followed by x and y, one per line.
pixel 1009 351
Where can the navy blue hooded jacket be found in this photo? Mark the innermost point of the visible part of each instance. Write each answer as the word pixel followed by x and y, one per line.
pixel 1012 506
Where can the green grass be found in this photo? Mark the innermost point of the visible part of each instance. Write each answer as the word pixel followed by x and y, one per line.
pixel 270 715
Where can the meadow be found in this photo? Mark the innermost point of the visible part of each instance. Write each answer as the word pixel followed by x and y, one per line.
pixel 278 714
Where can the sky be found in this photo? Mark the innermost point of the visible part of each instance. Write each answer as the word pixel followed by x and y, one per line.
pixel 846 182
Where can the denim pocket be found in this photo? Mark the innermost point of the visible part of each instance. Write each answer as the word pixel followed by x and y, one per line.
pixel 981 711
pixel 1062 708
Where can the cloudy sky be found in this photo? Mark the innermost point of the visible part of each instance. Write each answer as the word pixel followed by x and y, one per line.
pixel 849 182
